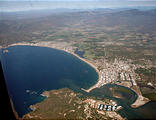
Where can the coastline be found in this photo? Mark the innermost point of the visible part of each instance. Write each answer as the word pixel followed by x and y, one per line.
pixel 42 44
pixel 97 71
pixel 45 94
pixel 139 102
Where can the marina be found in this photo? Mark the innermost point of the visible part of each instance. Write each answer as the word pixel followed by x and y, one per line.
pixel 109 107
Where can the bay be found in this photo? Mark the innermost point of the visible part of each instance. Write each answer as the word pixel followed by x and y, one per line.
pixel 30 70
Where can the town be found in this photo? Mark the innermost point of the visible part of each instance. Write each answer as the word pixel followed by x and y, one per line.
pixel 118 72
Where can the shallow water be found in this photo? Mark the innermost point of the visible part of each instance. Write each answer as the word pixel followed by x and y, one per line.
pixel 146 111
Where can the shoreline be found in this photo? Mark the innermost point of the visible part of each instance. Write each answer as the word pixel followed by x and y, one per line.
pixel 139 101
pixel 93 66
pixel 70 52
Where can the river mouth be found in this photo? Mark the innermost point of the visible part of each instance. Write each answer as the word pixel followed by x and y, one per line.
pixel 30 70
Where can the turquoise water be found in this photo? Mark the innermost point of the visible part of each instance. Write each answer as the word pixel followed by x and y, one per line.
pixel 31 70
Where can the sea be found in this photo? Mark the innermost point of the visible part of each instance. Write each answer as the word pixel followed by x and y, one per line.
pixel 30 70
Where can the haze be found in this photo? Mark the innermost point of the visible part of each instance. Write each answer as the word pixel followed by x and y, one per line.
pixel 12 5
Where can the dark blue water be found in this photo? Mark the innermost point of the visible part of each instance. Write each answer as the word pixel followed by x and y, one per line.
pixel 31 70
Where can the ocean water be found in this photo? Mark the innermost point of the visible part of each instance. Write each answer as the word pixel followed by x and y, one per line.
pixel 31 70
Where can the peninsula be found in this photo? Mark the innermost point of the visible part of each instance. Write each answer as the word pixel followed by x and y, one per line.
pixel 119 72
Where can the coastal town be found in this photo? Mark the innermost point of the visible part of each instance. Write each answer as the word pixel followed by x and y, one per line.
pixel 90 108
pixel 117 45
pixel 119 72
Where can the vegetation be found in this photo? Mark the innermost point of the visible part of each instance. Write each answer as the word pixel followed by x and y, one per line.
pixel 128 35
pixel 147 82
pixel 151 96
pixel 63 104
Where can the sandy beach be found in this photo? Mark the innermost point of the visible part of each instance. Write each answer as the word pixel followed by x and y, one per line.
pixel 43 44
pixel 94 86
pixel 140 100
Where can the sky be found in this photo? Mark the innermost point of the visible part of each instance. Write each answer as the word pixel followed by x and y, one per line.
pixel 12 6
pixel 80 0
